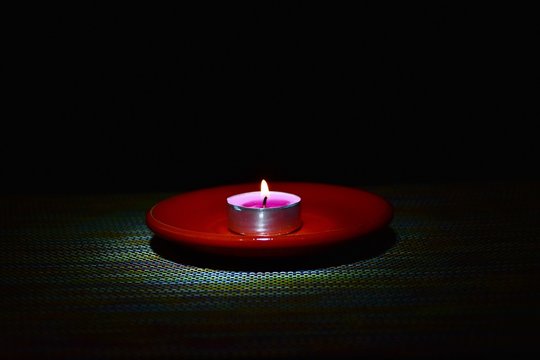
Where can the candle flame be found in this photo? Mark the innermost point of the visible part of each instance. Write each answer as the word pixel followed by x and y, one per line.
pixel 265 192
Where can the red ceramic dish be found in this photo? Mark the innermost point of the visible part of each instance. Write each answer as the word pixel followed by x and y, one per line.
pixel 331 214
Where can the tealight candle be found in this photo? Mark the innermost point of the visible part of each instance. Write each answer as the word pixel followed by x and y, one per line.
pixel 264 212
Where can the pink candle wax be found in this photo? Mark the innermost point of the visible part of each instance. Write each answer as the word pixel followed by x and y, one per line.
pixel 254 199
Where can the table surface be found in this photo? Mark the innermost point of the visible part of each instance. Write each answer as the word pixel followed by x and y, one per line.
pixel 455 274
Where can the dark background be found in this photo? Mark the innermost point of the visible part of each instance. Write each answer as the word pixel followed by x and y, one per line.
pixel 155 98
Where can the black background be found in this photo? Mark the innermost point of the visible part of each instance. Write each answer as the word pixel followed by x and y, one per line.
pixel 156 98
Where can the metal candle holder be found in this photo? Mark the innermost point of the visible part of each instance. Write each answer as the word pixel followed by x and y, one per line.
pixel 280 216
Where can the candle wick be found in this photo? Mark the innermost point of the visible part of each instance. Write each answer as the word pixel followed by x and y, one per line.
pixel 264 201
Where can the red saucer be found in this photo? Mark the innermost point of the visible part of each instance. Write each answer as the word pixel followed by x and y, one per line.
pixel 331 214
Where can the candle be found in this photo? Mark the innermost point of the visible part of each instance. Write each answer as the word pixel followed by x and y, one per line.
pixel 264 212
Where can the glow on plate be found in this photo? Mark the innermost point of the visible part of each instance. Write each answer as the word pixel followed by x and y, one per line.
pixel 331 214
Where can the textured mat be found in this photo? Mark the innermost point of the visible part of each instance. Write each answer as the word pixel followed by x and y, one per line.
pixel 456 274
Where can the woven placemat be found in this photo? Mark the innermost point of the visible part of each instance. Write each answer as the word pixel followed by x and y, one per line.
pixel 455 274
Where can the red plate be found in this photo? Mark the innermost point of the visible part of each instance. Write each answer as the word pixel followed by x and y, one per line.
pixel 331 214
